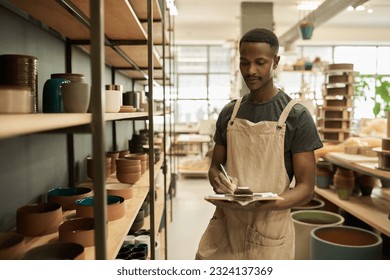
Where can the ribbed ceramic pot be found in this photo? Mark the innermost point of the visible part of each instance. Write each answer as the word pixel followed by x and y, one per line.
pixel 344 243
pixel 304 222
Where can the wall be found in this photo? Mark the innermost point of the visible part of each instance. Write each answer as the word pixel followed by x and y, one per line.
pixel 31 165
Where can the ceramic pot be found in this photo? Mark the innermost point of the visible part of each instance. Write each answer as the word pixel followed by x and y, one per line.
pixel 313 204
pixel 56 251
pixel 306 220
pixel 51 95
pixel 11 246
pixel 78 230
pixel 344 183
pixel 306 29
pixel 344 243
pixel 75 97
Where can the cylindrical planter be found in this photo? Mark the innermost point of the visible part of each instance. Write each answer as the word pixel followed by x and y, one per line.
pixel 344 243
pixel 304 222
pixel 313 204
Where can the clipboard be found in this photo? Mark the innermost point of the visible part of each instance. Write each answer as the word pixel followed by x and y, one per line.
pixel 244 199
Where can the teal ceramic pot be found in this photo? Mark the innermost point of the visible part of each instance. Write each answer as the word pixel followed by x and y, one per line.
pixel 344 243
pixel 51 96
pixel 306 220
pixel 306 29
pixel 323 181
pixel 67 197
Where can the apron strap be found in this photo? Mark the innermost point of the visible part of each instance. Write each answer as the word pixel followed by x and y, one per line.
pixel 235 110
pixel 285 113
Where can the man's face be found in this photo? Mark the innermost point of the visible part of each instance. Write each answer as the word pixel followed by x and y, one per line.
pixel 257 63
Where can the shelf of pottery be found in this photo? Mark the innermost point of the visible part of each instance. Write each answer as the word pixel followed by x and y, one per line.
pixel 334 117
pixel 126 13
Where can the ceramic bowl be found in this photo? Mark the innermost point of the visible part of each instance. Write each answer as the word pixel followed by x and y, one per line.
pixel 38 219
pixel 67 196
pixel 115 207
pixel 122 190
pixel 128 178
pixel 90 167
pixel 11 246
pixel 128 169
pixel 56 251
pixel 126 162
pixel 78 230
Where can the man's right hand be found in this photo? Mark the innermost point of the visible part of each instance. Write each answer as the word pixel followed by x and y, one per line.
pixel 222 185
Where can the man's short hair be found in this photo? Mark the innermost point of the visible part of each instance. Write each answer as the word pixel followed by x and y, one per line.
pixel 261 35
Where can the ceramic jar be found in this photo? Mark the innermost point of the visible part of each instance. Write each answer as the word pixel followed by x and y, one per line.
pixel 52 97
pixel 344 182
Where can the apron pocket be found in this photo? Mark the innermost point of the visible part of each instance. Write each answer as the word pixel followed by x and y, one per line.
pixel 212 239
pixel 261 247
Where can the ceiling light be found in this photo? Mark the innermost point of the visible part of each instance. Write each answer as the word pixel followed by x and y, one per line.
pixel 350 8
pixel 370 11
pixel 360 8
pixel 308 5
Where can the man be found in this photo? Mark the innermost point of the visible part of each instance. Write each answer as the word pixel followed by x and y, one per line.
pixel 264 139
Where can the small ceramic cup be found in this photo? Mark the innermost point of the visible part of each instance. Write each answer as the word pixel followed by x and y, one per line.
pixel 75 97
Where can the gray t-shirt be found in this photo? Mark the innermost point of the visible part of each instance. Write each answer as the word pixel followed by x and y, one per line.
pixel 301 131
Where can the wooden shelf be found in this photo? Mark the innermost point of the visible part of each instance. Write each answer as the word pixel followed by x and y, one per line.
pixel 371 210
pixel 12 125
pixel 121 23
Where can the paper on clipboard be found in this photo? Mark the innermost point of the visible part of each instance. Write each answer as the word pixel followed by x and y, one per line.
pixel 244 199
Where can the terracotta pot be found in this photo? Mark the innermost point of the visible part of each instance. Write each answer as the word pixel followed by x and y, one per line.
pixel 56 251
pixel 306 29
pixel 38 219
pixel 123 190
pixel 78 230
pixel 345 243
pixel 313 204
pixel 12 246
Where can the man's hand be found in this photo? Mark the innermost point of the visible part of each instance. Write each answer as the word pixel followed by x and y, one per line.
pixel 222 185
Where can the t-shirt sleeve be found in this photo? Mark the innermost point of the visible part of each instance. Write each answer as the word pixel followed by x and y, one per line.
pixel 305 137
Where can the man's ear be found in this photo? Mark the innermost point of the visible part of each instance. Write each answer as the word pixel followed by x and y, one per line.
pixel 276 61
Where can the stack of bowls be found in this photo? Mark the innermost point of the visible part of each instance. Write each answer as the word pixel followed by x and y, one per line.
pixel 156 152
pixel 143 157
pixel 20 70
pixel 128 171
pixel 90 167
pixel 113 155
pixel 137 141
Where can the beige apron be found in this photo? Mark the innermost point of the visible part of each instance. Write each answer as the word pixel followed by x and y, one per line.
pixel 255 156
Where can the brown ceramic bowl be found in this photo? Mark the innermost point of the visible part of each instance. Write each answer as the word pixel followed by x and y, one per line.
pixel 38 219
pixel 78 230
pixel 67 196
pixel 115 207
pixel 127 162
pixel 123 190
pixel 90 167
pixel 11 246
pixel 128 178
pixel 128 169
pixel 140 156
pixel 56 251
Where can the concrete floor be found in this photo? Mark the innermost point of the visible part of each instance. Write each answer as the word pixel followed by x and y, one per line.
pixel 191 214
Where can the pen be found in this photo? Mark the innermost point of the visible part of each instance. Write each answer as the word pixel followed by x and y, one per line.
pixel 225 173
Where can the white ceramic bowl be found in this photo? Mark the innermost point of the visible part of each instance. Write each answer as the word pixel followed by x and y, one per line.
pixel 113 101
pixel 15 99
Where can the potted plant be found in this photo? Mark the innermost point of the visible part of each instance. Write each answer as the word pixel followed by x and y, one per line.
pixel 306 27
pixel 381 96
